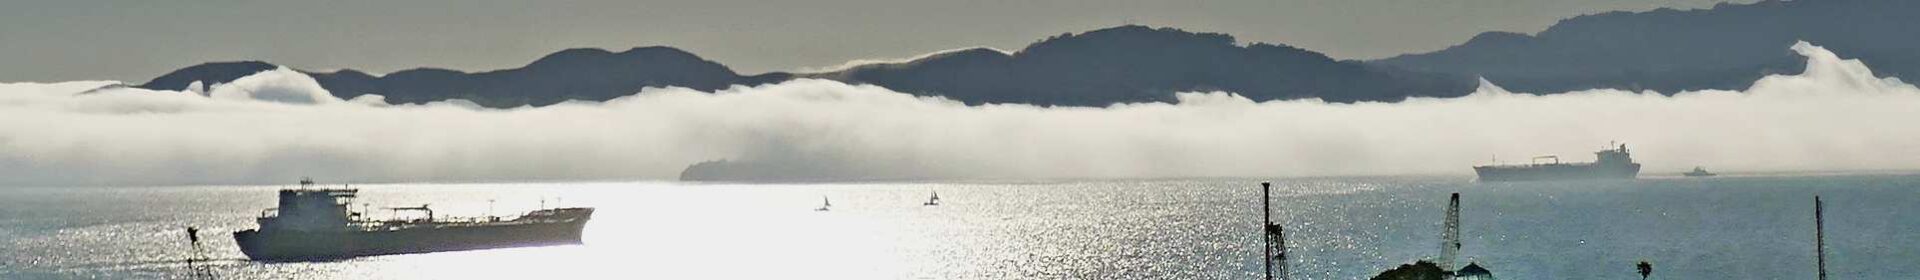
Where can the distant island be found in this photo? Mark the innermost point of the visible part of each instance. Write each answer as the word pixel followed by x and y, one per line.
pixel 819 169
pixel 749 171
pixel 1666 50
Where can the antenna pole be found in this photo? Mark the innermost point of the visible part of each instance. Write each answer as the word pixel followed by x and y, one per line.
pixel 1819 238
pixel 1266 223
pixel 1450 235
pixel 1275 236
pixel 200 270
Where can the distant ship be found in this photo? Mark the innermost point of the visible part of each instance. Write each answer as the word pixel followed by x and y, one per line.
pixel 316 223
pixel 1613 163
pixel 1699 172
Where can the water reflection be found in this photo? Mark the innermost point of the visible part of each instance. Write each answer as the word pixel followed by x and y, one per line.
pixel 1339 228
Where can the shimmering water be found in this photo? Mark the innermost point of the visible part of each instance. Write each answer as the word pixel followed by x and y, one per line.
pixel 1339 228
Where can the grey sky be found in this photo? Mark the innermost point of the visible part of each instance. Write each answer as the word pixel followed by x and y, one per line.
pixel 135 40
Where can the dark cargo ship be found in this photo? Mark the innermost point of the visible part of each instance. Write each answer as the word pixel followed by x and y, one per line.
pixel 314 223
pixel 1613 163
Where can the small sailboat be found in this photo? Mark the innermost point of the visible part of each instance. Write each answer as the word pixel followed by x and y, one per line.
pixel 824 204
pixel 1699 172
pixel 933 201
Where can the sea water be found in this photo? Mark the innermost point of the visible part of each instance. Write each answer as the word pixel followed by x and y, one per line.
pixel 1730 227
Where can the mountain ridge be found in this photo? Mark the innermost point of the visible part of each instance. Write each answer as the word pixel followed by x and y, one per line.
pixel 1134 63
pixel 1669 50
pixel 1101 67
pixel 1666 50
pixel 570 74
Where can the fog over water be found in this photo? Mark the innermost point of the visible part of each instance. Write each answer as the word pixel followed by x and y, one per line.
pixel 277 125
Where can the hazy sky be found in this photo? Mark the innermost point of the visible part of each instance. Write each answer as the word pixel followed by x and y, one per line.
pixel 135 40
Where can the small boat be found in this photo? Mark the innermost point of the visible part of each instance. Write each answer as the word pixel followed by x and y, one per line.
pixel 933 201
pixel 1699 172
pixel 824 204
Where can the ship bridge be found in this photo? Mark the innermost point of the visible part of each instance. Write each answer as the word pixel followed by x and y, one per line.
pixel 1615 155
pixel 311 209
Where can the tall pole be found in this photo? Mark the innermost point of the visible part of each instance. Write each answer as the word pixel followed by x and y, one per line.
pixel 1274 235
pixel 1819 238
pixel 1450 234
pixel 1266 221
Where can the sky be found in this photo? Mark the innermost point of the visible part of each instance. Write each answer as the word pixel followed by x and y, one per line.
pixel 136 40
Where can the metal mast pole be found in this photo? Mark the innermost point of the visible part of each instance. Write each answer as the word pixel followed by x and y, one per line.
pixel 1450 235
pixel 1266 222
pixel 1275 236
pixel 1819 237
pixel 1279 235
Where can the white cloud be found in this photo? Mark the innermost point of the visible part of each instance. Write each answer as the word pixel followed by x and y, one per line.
pixel 279 85
pixel 850 64
pixel 279 125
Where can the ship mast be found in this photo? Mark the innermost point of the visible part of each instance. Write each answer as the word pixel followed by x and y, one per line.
pixel 1450 234
pixel 1275 236
pixel 1819 238
pixel 201 270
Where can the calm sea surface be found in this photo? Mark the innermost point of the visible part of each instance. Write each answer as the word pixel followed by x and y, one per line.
pixel 1755 227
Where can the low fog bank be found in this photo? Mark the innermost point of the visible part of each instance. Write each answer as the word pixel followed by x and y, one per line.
pixel 279 125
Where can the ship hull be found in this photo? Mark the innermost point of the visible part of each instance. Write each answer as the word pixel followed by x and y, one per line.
pixel 287 245
pixel 1556 172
